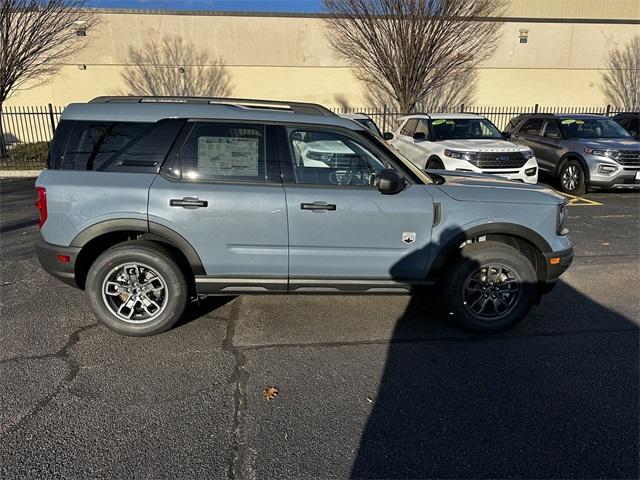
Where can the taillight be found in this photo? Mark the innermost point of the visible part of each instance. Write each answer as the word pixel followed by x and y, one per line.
pixel 41 204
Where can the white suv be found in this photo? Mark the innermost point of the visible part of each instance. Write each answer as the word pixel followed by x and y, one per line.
pixel 462 142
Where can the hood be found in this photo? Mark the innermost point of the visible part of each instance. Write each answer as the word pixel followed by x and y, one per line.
pixel 486 145
pixel 609 143
pixel 477 187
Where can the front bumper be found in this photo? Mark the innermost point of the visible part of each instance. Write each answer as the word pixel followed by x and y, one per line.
pixel 517 174
pixel 48 256
pixel 556 264
pixel 625 177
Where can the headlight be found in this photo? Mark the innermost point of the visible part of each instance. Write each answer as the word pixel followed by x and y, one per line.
pixel 527 154
pixel 598 152
pixel 468 156
pixel 561 226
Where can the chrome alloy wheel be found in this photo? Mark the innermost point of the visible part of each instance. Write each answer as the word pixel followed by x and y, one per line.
pixel 570 177
pixel 135 293
pixel 491 292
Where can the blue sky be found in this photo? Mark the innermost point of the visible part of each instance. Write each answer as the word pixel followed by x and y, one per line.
pixel 234 5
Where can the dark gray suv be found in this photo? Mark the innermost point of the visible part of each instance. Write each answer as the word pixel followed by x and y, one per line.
pixel 581 151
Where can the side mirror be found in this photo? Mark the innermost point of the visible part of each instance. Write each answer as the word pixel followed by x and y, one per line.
pixel 506 135
pixel 387 135
pixel 419 136
pixel 390 182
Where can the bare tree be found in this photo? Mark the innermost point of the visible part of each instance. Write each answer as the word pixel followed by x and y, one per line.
pixel 407 48
pixel 173 67
pixel 36 36
pixel 621 82
pixel 460 91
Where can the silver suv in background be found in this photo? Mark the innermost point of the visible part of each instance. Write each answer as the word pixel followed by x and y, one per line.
pixel 581 151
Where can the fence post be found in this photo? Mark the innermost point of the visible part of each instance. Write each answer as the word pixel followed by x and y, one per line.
pixel 462 108
pixel 535 108
pixel 52 120
pixel 3 148
pixel 608 110
pixel 384 118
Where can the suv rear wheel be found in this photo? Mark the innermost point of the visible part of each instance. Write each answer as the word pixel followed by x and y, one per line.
pixel 137 289
pixel 491 287
pixel 572 178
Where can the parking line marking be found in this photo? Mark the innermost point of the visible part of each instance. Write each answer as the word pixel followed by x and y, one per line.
pixel 574 201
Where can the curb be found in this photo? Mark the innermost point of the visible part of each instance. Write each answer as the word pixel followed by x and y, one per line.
pixel 19 173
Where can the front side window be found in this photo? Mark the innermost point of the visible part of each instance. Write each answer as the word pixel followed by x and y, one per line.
pixel 464 129
pixel 592 128
pixel 423 127
pixel 328 158
pixel 532 127
pixel 409 127
pixel 90 143
pixel 217 151
pixel 551 129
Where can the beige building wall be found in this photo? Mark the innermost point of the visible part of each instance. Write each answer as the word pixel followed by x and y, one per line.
pixel 288 57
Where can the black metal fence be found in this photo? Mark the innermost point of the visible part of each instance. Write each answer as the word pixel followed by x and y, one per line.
pixel 387 119
pixel 25 132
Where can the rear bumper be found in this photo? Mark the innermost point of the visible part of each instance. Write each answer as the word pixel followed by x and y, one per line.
pixel 557 263
pixel 48 253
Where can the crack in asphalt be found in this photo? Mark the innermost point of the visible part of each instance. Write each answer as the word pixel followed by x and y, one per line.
pixel 62 354
pixel 239 377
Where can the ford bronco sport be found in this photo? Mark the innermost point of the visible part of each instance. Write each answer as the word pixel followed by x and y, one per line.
pixel 148 203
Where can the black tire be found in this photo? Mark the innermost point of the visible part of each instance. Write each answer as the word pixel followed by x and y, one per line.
pixel 434 164
pixel 572 178
pixel 159 272
pixel 463 298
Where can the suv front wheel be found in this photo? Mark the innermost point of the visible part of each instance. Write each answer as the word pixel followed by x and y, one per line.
pixel 491 287
pixel 572 178
pixel 136 288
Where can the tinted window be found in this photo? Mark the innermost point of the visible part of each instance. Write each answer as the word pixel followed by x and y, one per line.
pixel 531 126
pixel 148 151
pixel 371 125
pixel 56 152
pixel 633 126
pixel 92 143
pixel 217 151
pixel 592 128
pixel 551 129
pixel 513 123
pixel 464 129
pixel 327 158
pixel 409 127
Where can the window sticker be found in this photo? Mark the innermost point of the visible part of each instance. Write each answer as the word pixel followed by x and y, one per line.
pixel 227 156
pixel 568 121
pixel 438 122
pixel 450 122
pixel 579 122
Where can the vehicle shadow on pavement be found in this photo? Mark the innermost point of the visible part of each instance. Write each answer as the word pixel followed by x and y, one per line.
pixel 201 308
pixel 511 405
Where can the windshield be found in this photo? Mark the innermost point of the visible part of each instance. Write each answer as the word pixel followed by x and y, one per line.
pixel 464 129
pixel 592 128
pixel 367 122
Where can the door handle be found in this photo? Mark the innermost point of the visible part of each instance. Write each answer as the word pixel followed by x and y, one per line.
pixel 318 206
pixel 188 202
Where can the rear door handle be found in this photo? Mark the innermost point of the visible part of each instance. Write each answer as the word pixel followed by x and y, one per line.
pixel 188 202
pixel 318 206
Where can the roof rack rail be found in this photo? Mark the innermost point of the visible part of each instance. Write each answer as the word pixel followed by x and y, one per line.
pixel 293 107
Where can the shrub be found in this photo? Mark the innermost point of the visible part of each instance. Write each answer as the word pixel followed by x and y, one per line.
pixel 27 155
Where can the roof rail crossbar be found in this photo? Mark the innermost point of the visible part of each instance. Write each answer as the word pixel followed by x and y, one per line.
pixel 294 107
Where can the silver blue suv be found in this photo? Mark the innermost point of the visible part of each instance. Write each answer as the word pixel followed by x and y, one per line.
pixel 581 151
pixel 149 203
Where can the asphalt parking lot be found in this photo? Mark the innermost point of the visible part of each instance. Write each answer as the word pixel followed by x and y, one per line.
pixel 370 387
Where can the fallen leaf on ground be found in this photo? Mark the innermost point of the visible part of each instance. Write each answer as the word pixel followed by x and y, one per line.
pixel 270 393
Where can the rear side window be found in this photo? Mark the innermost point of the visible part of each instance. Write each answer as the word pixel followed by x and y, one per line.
pixel 532 126
pixel 90 144
pixel 513 123
pixel 224 152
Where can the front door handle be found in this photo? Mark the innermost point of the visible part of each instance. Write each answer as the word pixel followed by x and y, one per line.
pixel 318 206
pixel 188 202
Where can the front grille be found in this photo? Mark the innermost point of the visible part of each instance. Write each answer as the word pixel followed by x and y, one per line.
pixel 499 160
pixel 629 158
